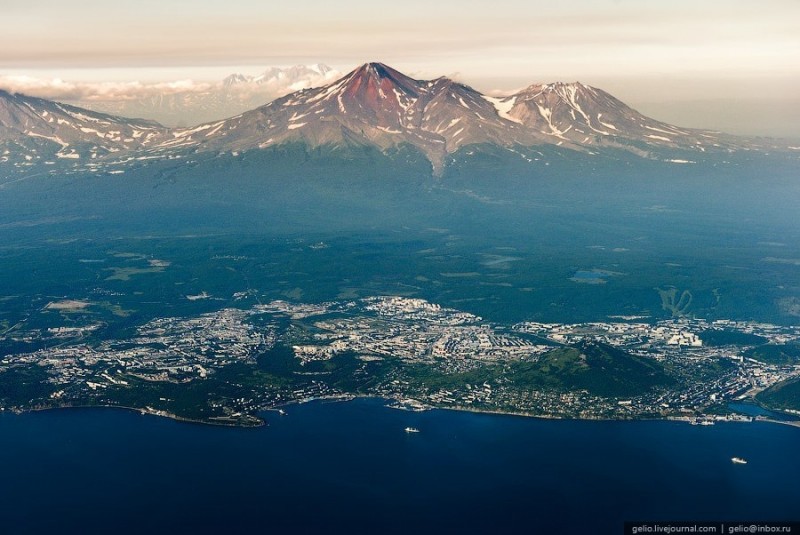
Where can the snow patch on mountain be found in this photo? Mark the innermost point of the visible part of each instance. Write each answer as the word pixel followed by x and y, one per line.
pixel 503 106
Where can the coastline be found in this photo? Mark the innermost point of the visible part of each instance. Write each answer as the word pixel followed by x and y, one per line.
pixel 147 411
pixel 683 419
pixel 782 422
pixel 259 421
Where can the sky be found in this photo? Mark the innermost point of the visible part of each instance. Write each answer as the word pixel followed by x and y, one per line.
pixel 713 63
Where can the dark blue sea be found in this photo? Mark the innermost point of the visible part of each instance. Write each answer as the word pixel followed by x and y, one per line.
pixel 351 468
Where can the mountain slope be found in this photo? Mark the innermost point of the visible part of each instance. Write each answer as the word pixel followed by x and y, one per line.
pixel 782 396
pixel 584 115
pixel 372 105
pixel 598 368
pixel 35 130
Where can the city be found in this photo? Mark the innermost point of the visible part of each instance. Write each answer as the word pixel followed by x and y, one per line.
pixel 226 366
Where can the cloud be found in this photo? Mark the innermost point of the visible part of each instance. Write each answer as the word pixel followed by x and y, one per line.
pixel 178 102
pixel 61 90
pixel 274 81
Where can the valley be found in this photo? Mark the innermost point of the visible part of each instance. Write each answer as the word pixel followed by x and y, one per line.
pixel 404 239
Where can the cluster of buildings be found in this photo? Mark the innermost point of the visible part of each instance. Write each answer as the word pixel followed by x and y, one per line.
pixel 412 332
pixel 173 350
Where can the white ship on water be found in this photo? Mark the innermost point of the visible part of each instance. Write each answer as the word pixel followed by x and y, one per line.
pixel 412 430
pixel 738 460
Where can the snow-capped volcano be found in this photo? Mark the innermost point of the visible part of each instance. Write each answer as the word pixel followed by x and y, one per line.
pixel 585 115
pixel 372 105
pixel 294 78
pixel 377 105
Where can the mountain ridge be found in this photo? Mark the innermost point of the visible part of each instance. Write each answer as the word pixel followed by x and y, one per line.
pixel 377 105
pixel 373 105
pixel 37 130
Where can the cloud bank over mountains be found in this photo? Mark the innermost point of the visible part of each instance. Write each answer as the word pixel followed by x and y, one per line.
pixel 63 90
pixel 179 102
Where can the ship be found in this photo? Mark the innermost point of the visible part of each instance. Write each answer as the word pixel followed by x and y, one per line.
pixel 738 460
pixel 412 430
